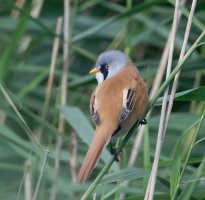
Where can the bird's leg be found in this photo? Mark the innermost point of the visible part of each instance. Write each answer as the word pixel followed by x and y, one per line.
pixel 143 122
pixel 115 152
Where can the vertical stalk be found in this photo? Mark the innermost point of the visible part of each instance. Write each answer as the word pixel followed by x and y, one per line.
pixel 183 50
pixel 54 56
pixel 63 98
pixel 152 181
pixel 40 177
pixel 28 180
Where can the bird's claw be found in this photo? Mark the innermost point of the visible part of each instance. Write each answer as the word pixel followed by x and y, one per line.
pixel 143 122
pixel 115 153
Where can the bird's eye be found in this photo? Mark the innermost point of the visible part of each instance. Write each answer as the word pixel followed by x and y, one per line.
pixel 106 67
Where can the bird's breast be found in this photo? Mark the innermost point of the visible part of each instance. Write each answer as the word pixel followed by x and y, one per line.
pixel 108 99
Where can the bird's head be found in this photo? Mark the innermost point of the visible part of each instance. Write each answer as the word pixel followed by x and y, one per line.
pixel 108 64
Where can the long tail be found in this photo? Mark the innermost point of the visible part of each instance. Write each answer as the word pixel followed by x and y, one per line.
pixel 100 139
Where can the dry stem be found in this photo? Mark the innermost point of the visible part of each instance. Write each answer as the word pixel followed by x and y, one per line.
pixel 64 86
pixel 40 176
pixel 151 184
pixel 54 56
pixel 28 180
pixel 182 53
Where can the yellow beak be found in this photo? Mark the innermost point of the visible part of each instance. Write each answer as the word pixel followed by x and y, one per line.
pixel 94 70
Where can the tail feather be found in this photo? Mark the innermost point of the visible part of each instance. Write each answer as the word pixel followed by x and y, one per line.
pixel 99 141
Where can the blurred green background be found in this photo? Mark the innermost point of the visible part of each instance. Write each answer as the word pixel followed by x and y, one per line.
pixel 140 28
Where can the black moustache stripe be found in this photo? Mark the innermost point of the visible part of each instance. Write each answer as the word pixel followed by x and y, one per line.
pixel 104 71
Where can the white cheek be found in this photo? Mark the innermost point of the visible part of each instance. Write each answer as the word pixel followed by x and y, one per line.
pixel 99 77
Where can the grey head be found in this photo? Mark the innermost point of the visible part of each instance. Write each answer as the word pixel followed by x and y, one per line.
pixel 109 64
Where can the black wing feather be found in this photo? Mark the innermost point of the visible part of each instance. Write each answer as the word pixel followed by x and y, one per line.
pixel 130 102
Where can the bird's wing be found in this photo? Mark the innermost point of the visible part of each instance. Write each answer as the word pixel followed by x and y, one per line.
pixel 128 103
pixel 93 110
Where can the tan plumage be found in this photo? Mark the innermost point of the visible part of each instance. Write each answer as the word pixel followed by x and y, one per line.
pixel 107 103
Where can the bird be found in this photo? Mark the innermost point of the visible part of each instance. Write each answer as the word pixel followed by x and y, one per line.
pixel 119 100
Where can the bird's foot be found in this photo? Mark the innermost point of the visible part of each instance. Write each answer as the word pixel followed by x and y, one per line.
pixel 115 153
pixel 143 122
